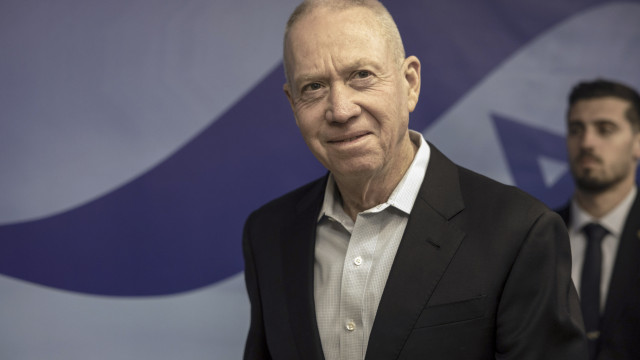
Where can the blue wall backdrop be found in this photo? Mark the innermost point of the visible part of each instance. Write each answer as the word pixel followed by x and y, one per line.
pixel 136 136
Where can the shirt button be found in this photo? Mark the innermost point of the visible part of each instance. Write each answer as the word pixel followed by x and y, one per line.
pixel 351 326
pixel 358 261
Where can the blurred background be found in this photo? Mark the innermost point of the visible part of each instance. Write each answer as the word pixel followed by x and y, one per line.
pixel 136 137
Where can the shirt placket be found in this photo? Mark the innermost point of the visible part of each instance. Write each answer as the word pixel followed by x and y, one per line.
pixel 357 266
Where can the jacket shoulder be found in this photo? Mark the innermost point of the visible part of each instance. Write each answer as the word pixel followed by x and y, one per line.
pixel 496 197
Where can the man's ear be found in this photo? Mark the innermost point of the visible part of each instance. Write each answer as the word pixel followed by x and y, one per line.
pixel 411 67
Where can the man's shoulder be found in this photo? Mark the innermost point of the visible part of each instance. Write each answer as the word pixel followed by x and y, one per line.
pixel 474 187
pixel 475 181
pixel 491 194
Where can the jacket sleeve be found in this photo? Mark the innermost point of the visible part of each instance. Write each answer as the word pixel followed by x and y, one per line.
pixel 256 344
pixel 539 313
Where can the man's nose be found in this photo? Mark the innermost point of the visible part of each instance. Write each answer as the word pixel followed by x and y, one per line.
pixel 589 138
pixel 341 106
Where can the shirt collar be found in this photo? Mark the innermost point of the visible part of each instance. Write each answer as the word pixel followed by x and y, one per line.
pixel 403 196
pixel 613 221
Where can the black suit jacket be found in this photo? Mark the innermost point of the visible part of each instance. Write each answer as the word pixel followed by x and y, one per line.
pixel 482 272
pixel 620 322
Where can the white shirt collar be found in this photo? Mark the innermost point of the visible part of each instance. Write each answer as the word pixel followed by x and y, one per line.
pixel 613 221
pixel 403 196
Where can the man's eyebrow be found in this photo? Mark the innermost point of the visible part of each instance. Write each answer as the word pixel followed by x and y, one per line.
pixel 306 78
pixel 604 121
pixel 362 62
pixel 598 121
pixel 346 69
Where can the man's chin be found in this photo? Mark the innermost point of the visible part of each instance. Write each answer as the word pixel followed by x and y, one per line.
pixel 592 186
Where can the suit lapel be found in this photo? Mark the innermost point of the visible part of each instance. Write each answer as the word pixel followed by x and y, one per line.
pixel 626 271
pixel 426 249
pixel 298 247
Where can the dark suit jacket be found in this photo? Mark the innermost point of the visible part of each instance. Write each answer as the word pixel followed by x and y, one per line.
pixel 620 323
pixel 482 272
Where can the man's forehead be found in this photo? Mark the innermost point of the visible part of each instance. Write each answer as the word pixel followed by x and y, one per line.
pixel 348 38
pixel 335 35
pixel 607 109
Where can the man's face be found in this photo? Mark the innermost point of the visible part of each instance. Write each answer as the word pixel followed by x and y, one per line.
pixel 603 148
pixel 350 95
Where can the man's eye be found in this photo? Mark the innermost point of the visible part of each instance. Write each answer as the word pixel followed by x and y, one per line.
pixel 575 129
pixel 363 74
pixel 312 87
pixel 606 129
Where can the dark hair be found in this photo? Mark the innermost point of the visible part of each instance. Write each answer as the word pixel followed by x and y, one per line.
pixel 600 88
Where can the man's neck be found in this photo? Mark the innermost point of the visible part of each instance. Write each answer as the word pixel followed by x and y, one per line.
pixel 600 204
pixel 360 193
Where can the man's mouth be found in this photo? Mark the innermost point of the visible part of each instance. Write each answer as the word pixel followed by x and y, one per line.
pixel 588 158
pixel 348 139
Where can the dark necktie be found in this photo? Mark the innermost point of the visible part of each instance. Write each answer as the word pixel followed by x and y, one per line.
pixel 590 284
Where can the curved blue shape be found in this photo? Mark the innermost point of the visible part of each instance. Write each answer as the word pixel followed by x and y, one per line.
pixel 178 227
